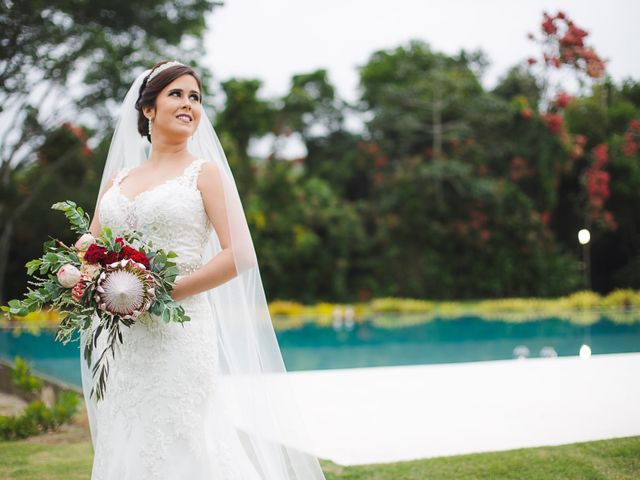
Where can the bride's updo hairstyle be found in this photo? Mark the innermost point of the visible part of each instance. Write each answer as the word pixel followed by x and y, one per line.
pixel 150 89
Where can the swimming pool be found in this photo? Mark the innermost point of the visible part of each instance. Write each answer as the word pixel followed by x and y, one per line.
pixel 384 341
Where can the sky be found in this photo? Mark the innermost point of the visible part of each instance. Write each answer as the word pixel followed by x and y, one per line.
pixel 272 40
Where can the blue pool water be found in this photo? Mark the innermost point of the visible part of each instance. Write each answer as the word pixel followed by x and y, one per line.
pixel 367 344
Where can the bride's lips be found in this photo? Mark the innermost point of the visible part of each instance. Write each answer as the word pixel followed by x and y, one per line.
pixel 185 118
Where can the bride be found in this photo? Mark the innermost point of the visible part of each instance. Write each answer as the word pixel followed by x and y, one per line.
pixel 207 399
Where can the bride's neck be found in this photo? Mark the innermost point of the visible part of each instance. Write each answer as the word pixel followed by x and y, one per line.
pixel 162 152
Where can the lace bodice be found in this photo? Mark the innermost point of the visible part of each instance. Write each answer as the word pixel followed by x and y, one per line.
pixel 171 215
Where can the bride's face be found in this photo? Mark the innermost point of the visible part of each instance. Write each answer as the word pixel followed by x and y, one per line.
pixel 178 109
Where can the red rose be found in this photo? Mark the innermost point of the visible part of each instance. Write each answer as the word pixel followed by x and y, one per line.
pixel 139 257
pixel 127 251
pixel 95 253
pixel 110 257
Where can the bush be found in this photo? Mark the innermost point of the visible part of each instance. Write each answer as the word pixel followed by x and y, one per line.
pixel 582 300
pixel 36 417
pixel 284 307
pixel 22 378
pixel 626 298
pixel 402 305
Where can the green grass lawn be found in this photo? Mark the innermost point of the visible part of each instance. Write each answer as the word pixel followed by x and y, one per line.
pixel 67 455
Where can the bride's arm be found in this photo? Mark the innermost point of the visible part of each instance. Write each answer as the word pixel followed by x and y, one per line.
pixel 220 268
pixel 95 227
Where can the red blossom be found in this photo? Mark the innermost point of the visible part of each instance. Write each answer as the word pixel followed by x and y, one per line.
pixel 545 216
pixel 597 181
pixel 548 26
pixel 372 148
pixel 135 255
pixel 478 219
pixel 95 253
pixel 80 134
pixel 78 290
pixel 526 113
pixel 378 178
pixel 381 161
pixel 581 140
pixel 531 61
pixel 111 257
pixel 597 186
pixel 563 99
pixel 565 43
pixel 629 146
pixel 364 294
pixel 519 168
pixel 610 220
pixel 601 153
pixel 554 122
pixel 577 151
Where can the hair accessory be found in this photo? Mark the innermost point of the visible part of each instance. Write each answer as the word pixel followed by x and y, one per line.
pixel 162 68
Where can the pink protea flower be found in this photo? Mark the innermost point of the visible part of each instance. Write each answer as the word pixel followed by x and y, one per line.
pixel 126 288
pixel 68 275
pixel 84 242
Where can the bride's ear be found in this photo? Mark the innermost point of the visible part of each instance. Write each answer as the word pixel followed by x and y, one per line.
pixel 149 112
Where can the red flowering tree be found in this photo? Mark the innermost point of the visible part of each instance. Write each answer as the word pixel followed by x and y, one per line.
pixel 563 44
pixel 596 180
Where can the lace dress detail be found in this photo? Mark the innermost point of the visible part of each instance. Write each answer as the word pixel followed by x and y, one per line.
pixel 161 418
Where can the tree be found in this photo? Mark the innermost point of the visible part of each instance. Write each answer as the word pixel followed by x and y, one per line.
pixel 75 59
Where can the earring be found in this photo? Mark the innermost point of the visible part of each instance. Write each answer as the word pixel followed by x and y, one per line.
pixel 150 126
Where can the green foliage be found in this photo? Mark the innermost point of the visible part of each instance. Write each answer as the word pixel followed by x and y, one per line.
pixel 78 220
pixel 36 417
pixel 622 297
pixel 450 192
pixel 22 377
pixel 400 305
pixel 582 300
pixel 306 235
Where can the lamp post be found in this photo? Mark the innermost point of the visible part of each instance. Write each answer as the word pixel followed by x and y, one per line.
pixel 584 237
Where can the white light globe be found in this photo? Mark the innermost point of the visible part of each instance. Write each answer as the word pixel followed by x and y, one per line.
pixel 584 236
pixel 585 352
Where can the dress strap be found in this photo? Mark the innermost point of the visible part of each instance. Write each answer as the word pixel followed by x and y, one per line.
pixel 191 175
pixel 120 175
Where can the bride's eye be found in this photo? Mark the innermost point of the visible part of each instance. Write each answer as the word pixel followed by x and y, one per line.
pixel 194 96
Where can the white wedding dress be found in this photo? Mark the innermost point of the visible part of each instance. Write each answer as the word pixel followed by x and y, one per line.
pixel 160 407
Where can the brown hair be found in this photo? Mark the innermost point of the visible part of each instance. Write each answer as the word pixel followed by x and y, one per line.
pixel 149 91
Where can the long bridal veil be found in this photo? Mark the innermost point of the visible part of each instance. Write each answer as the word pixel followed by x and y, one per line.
pixel 253 382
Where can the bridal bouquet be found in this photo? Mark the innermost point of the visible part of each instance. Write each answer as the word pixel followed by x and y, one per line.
pixel 103 277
